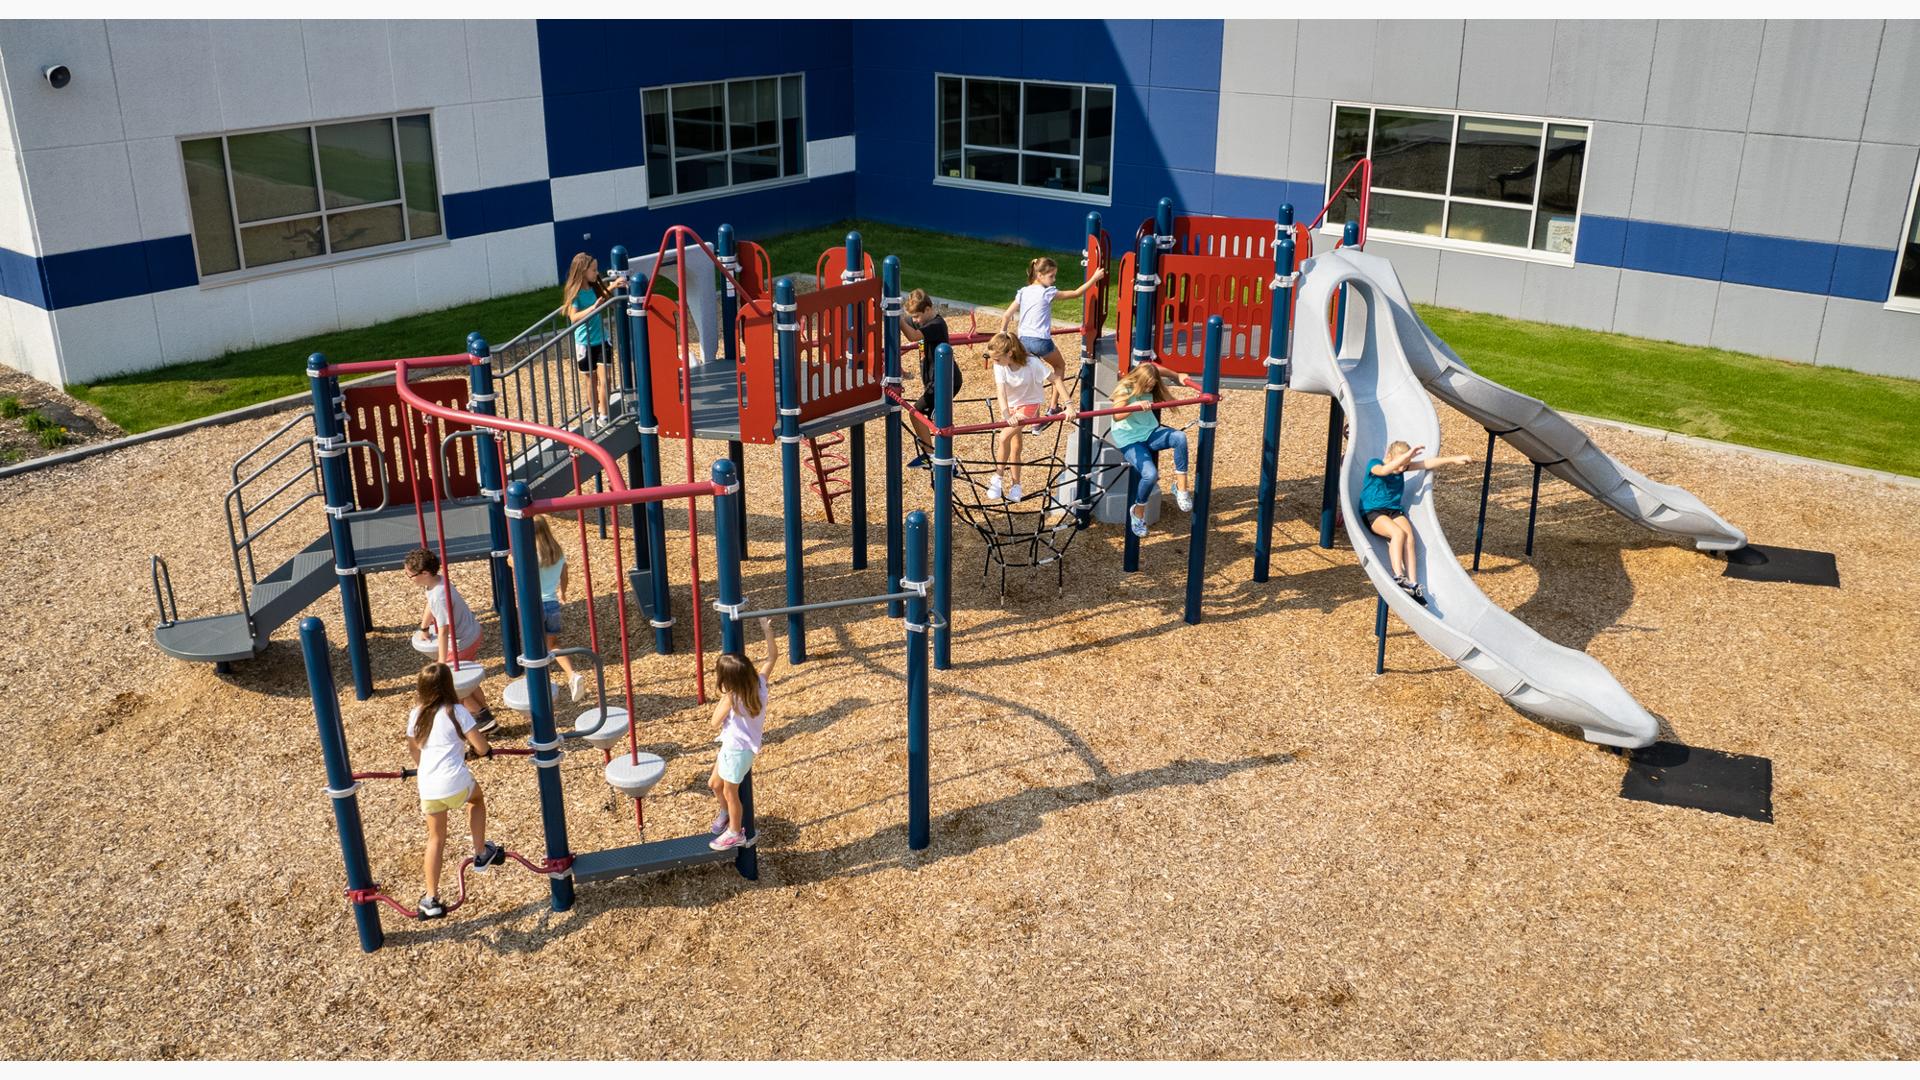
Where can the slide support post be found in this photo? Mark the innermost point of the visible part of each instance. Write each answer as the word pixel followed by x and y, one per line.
pixel 1279 342
pixel 1203 471
pixel 1480 526
pixel 1533 508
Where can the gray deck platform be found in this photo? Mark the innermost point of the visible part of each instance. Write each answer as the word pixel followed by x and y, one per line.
pixel 716 413
pixel 649 858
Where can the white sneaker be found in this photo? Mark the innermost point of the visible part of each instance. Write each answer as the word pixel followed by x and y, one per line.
pixel 1184 499
pixel 993 490
pixel 1138 523
pixel 578 685
pixel 1014 493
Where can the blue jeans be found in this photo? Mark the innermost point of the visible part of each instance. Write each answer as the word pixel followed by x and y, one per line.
pixel 1144 456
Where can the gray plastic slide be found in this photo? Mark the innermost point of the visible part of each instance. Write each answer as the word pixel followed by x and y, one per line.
pixel 1375 379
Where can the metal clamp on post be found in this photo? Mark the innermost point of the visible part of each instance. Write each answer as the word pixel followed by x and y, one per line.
pixel 543 747
pixel 530 662
pixel 920 587
pixel 1164 243
pixel 946 461
pixel 780 324
pixel 892 305
pixel 850 275
pixel 487 398
pixel 500 554
pixel 661 624
pixel 649 429
pixel 892 380
pixel 345 571
pixel 339 511
pixel 1208 423
pixel 345 792
pixel 496 494
pixel 731 611
pixel 1146 282
pixel 790 440
pixel 1285 281
pixel 329 446
pixel 1143 354
pixel 795 411
pixel 730 489
pixel 549 763
pixel 515 513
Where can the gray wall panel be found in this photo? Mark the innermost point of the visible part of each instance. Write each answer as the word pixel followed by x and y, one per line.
pixel 1877 203
pixel 1665 308
pixel 1254 135
pixel 1417 267
pixel 1504 66
pixel 1481 283
pixel 1571 295
pixel 1334 59
pixel 1865 336
pixel 1893 108
pixel 1793 187
pixel 1307 151
pixel 160 69
pixel 1417 62
pixel 1612 160
pixel 1600 69
pixel 1687 177
pixel 1768 322
pixel 1814 77
pixel 1703 73
pixel 260 69
pixel 1256 56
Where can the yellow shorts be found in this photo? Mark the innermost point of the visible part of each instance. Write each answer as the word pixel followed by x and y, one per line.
pixel 451 802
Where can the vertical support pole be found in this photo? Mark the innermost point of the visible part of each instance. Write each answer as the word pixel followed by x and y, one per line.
pixel 1279 344
pixel 1089 362
pixel 1533 508
pixel 942 609
pixel 727 251
pixel 340 782
pixel 737 453
pixel 480 399
pixel 1163 222
pixel 786 325
pixel 336 488
pixel 727 553
pixel 855 271
pixel 544 738
pixel 622 331
pixel 890 311
pixel 1146 286
pixel 1380 631
pixel 655 560
pixel 629 381
pixel 1203 471
pixel 857 481
pixel 1486 482
pixel 1336 416
pixel 919 785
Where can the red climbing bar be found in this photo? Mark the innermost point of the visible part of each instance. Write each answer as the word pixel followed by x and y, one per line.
pixel 631 497
pixel 999 425
pixel 419 362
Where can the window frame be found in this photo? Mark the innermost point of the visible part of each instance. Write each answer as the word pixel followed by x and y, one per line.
pixel 1020 151
pixel 1443 241
pixel 327 258
pixel 726 124
pixel 1896 302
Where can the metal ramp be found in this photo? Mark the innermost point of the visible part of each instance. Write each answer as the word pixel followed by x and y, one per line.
pixel 649 858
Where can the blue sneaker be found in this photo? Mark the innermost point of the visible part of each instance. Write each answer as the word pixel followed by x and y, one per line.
pixel 921 462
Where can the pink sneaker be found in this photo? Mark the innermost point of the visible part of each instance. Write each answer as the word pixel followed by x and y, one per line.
pixel 719 824
pixel 728 839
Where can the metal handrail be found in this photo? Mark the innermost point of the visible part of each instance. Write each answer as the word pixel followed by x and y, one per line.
pixel 248 540
pixel 446 474
pixel 1364 168
pixel 381 472
pixel 560 399
pixel 306 414
pixel 235 501
pixel 160 572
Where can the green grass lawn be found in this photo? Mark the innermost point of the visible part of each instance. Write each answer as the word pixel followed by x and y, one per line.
pixel 1864 420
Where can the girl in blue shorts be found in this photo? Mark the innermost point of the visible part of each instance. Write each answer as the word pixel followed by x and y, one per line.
pixel 553 593
pixel 1382 507
pixel 741 714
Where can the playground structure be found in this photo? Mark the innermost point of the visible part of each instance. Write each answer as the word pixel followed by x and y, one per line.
pixel 1217 298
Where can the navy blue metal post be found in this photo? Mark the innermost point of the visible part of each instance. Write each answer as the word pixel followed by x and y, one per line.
pixel 890 311
pixel 1203 470
pixel 728 552
pixel 655 558
pixel 855 271
pixel 340 782
pixel 336 487
pixel 1486 483
pixel 1279 343
pixel 727 251
pixel 622 331
pixel 1089 361
pixel 1336 416
pixel 919 784
pixel 480 399
pixel 544 738
pixel 737 453
pixel 857 491
pixel 786 325
pixel 1533 507
pixel 642 562
pixel 943 463
pixel 1380 631
pixel 1163 223
pixel 1146 284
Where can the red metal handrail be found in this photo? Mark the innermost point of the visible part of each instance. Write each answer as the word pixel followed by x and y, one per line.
pixel 1364 167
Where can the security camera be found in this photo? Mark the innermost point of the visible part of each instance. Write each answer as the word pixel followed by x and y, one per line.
pixel 57 75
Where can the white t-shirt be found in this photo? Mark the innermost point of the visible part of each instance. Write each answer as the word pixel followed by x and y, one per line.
pixel 1026 384
pixel 1036 310
pixel 740 731
pixel 466 628
pixel 443 755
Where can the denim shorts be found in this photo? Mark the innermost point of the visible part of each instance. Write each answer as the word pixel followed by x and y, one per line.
pixel 550 615
pixel 733 765
pixel 1037 346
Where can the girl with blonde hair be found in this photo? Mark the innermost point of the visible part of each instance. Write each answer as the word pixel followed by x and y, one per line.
pixel 1140 436
pixel 582 291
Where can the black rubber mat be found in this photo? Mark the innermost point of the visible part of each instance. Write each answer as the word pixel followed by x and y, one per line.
pixel 1796 566
pixel 1674 775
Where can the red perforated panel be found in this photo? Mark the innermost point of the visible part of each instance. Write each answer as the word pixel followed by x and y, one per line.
pixel 376 414
pixel 840 358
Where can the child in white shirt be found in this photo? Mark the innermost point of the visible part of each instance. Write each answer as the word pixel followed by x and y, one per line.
pixel 1021 382
pixel 1034 307
pixel 439 732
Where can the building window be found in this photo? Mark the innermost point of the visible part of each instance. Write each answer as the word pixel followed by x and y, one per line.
pixel 1503 182
pixel 1906 272
pixel 264 198
pixel 1042 136
pixel 711 136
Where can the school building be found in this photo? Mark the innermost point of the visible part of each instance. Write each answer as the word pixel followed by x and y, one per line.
pixel 173 190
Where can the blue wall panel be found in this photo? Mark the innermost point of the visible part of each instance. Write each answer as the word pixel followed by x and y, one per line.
pixel 1675 249
pixel 1184 124
pixel 1603 240
pixel 471 213
pixel 20 279
pixel 1775 262
pixel 1186 53
pixel 1861 273
pixel 754 215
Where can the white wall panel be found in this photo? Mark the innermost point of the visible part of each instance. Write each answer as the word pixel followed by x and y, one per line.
pixel 159 188
pixel 1793 187
pixel 16 215
pixel 1814 77
pixel 1417 62
pixel 1768 322
pixel 376 290
pixel 1893 106
pixel 1504 66
pixel 459 163
pixel 1481 283
pixel 1254 134
pixel 1334 59
pixel 1665 308
pixel 200 324
pixel 87 110
pixel 1703 73
pixel 1865 336
pixel 1687 177
pixel 1877 201
pixel 1307 140
pixel 522 259
pixel 107 338
pixel 429 62
pixel 34 348
pixel 164 71
pixel 455 274
pixel 260 68
pixel 1256 56
pixel 349 68
pixel 830 157
pixel 1571 295
pixel 82 197
pixel 503 58
pixel 1600 69
pixel 510 139
pixel 290 306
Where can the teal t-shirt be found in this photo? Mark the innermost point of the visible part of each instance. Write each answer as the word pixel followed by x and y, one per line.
pixel 1382 492
pixel 591 331
pixel 1135 426
pixel 550 580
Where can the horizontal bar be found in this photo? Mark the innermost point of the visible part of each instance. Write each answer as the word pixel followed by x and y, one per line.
pixel 999 425
pixel 797 609
pixel 459 360
pixel 564 504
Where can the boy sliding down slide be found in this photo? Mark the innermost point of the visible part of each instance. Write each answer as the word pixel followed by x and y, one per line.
pixel 1381 505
